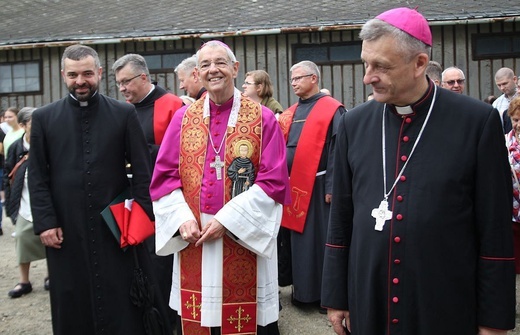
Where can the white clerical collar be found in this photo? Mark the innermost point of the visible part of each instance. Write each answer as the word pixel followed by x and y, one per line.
pixel 404 110
pixel 151 90
pixel 82 103
pixel 233 116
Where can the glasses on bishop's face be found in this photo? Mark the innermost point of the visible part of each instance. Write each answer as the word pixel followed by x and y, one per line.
pixel 125 82
pixel 452 82
pixel 219 64
pixel 297 79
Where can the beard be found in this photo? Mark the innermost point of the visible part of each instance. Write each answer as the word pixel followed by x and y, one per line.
pixel 83 96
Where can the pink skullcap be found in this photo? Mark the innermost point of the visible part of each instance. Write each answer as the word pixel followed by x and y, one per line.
pixel 410 21
pixel 222 44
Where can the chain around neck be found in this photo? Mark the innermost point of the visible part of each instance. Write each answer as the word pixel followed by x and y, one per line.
pixel 232 120
pixel 386 194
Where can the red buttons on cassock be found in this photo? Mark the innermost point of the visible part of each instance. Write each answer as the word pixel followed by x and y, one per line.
pixel 399 217
pixel 397 261
pixel 404 158
pixel 395 281
pixel 209 195
pixel 399 198
pixel 207 207
pixel 395 300
pixel 397 239
pixel 395 321
pixel 408 120
pixel 402 178
pixel 406 138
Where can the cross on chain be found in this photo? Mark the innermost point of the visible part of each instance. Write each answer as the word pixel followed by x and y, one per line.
pixel 217 165
pixel 246 318
pixel 193 306
pixel 381 214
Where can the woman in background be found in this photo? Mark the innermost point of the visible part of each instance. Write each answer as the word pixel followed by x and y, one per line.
pixel 513 146
pixel 18 206
pixel 259 88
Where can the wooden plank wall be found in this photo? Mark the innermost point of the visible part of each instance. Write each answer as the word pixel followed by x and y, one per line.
pixel 273 53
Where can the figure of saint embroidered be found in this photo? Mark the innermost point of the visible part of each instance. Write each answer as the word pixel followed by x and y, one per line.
pixel 241 170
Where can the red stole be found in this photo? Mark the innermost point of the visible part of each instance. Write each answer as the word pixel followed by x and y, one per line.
pixel 163 111
pixel 239 264
pixel 306 158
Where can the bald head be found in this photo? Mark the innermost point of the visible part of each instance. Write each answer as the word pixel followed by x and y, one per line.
pixel 504 72
pixel 506 81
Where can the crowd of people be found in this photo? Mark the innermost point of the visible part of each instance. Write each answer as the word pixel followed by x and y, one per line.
pixel 390 218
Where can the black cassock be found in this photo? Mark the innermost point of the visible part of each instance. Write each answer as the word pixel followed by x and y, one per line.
pixel 443 264
pixel 307 248
pixel 77 167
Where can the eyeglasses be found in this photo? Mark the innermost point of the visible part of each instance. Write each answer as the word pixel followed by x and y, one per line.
pixel 297 79
pixel 126 81
pixel 452 82
pixel 219 63
pixel 248 83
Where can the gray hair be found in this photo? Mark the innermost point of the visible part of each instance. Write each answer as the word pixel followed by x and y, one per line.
pixel 187 65
pixel 453 68
pixel 25 115
pixel 405 44
pixel 434 70
pixel 217 44
pixel 309 66
pixel 137 63
pixel 78 52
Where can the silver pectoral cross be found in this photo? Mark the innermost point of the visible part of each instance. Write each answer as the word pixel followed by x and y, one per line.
pixel 217 165
pixel 381 214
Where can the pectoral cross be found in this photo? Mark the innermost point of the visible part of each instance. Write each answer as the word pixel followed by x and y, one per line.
pixel 381 214
pixel 217 165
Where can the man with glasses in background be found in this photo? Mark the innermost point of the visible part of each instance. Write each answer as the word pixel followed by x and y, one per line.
pixel 309 127
pixel 453 79
pixel 155 108
pixel 506 82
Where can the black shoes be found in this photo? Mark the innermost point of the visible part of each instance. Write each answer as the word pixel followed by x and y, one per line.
pixel 20 289
pixel 315 304
pixel 1 232
pixel 46 284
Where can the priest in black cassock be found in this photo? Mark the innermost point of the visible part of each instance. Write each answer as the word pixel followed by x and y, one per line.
pixel 155 108
pixel 79 149
pixel 419 239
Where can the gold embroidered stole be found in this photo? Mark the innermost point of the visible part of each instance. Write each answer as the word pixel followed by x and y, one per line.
pixel 239 264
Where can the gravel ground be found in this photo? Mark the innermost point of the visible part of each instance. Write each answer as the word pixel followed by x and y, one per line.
pixel 30 314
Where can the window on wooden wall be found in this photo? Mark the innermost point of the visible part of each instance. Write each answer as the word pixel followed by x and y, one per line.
pixel 328 53
pixel 495 46
pixel 165 62
pixel 21 77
